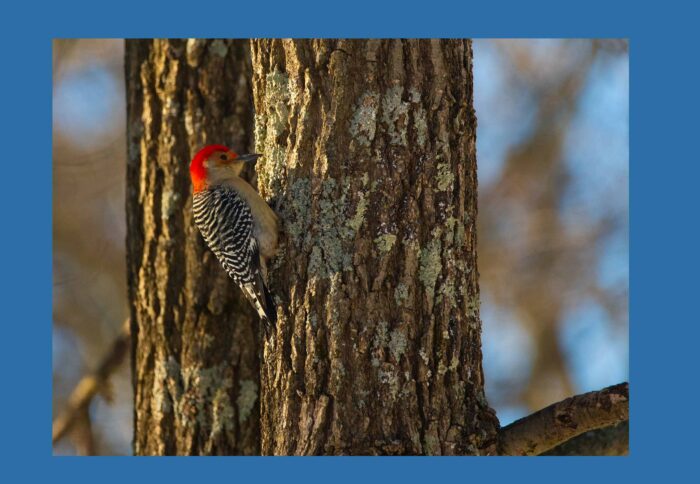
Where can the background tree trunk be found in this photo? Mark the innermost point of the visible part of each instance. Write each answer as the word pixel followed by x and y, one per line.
pixel 195 340
pixel 369 152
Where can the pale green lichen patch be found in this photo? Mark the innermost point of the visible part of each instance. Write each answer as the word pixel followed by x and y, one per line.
pixel 381 335
pixel 397 344
pixel 355 222
pixel 208 340
pixel 199 395
pixel 222 413
pixel 481 398
pixel 161 401
pixel 247 396
pixel 400 293
pixel 385 242
pixel 442 368
pixel 316 263
pixel 328 256
pixel 207 389
pixel 363 125
pixel 420 124
pixel 447 293
pixel 450 223
pixel 326 227
pixel 430 264
pixel 394 115
pixel 388 377
pixel 338 369
pixel 277 98
pixel 357 219
pixel 296 212
pixel 273 167
pixel 445 177
pixel 431 443
pixel 269 128
pixel 420 121
pixel 260 133
pixel 219 48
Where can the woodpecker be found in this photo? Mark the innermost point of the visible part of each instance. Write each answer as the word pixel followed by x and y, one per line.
pixel 236 223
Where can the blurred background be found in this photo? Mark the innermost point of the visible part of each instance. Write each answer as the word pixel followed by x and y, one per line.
pixel 553 162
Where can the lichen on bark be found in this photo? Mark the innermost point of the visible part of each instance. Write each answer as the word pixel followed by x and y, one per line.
pixel 369 152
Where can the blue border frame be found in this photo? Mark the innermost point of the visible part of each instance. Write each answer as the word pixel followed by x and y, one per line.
pixel 664 238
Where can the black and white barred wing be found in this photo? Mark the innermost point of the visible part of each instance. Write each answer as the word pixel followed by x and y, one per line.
pixel 226 223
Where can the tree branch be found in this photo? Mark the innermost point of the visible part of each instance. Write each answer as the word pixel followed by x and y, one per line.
pixel 560 422
pixel 90 384
pixel 81 434
pixel 613 440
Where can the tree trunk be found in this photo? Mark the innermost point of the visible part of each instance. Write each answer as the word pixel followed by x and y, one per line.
pixel 195 340
pixel 369 153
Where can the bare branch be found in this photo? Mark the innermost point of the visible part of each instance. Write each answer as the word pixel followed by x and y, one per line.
pixel 612 440
pixel 81 433
pixel 90 385
pixel 560 422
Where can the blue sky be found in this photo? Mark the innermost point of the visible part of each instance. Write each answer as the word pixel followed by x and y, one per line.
pixel 596 152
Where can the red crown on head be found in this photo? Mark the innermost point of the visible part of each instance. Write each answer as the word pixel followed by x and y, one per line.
pixel 198 172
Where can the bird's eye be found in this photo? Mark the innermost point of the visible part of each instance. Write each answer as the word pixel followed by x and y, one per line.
pixel 222 157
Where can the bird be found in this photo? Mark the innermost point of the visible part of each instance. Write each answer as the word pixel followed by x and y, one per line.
pixel 236 223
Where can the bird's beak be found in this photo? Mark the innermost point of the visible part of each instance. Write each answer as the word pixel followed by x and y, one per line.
pixel 248 158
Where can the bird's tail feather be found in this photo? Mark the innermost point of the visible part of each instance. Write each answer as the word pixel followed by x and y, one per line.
pixel 257 293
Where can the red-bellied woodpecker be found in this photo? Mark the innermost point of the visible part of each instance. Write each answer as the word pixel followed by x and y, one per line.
pixel 236 223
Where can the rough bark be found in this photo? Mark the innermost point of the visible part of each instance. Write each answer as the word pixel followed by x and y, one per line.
pixel 369 152
pixel 195 341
